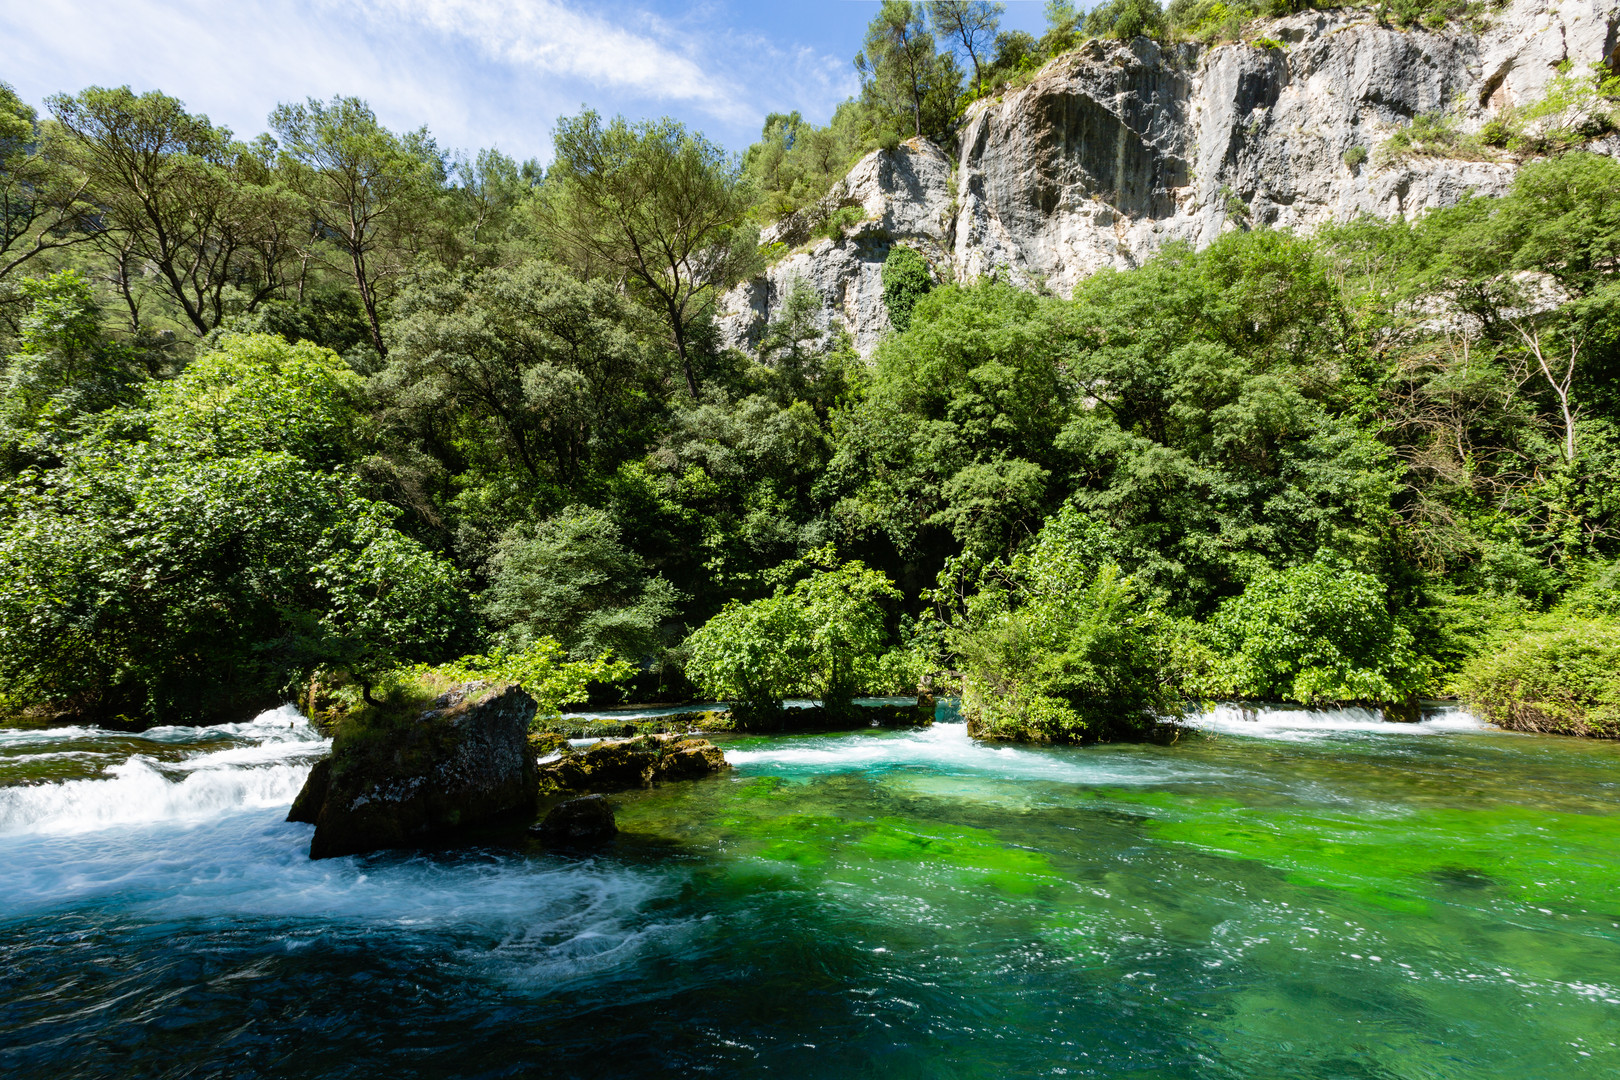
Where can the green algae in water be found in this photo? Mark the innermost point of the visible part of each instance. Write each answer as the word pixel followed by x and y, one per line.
pixel 1302 919
pixel 910 905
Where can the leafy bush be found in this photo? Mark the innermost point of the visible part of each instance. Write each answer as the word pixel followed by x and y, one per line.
pixel 175 590
pixel 1057 645
pixel 1432 135
pixel 542 668
pixel 1315 633
pixel 571 579
pixel 823 638
pixel 1562 676
pixel 1356 156
pixel 255 392
pixel 1127 19
pixel 839 221
pixel 905 280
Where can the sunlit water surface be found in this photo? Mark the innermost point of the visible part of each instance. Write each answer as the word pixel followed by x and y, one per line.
pixel 1278 895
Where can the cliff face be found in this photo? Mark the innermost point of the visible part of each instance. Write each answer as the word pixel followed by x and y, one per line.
pixel 1115 150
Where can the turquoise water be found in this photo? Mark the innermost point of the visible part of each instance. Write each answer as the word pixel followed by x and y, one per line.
pixel 1299 895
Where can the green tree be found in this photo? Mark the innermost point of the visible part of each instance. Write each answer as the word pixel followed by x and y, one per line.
pixel 179 195
pixel 656 207
pixel 570 578
pixel 824 637
pixel 64 372
pixel 970 24
pixel 1558 675
pixel 906 278
pixel 368 191
pixel 903 76
pixel 251 393
pixel 1056 645
pixel 524 382
pixel 178 590
pixel 42 205
pixel 1316 633
pixel 1127 19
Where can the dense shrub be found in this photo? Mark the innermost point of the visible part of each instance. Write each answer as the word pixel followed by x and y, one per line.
pixel 905 280
pixel 824 637
pixel 1314 633
pixel 1058 646
pixel 1561 676
pixel 175 590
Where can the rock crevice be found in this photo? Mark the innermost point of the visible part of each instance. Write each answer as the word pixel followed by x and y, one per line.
pixel 1115 150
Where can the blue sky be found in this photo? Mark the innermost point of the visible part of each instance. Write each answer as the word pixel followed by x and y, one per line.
pixel 476 72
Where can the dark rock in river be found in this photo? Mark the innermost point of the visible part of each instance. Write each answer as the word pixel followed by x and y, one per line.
pixel 585 820
pixel 398 777
pixel 615 766
pixel 307 807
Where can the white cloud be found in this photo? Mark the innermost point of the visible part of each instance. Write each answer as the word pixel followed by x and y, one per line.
pixel 552 39
pixel 476 72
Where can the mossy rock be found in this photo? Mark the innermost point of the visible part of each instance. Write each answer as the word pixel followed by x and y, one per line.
pixel 573 727
pixel 632 763
pixel 416 768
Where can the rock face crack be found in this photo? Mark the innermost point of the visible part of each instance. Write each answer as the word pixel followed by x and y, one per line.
pixel 1115 150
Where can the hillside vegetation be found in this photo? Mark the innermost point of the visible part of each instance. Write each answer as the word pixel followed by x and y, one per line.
pixel 335 403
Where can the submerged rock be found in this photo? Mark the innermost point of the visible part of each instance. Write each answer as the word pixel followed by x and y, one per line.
pixel 399 776
pixel 616 766
pixel 585 820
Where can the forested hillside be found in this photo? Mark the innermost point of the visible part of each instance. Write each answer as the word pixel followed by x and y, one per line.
pixel 337 400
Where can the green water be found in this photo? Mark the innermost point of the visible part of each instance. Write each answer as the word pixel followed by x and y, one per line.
pixel 1316 900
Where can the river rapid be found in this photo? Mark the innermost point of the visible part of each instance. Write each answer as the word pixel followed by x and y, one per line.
pixel 1276 894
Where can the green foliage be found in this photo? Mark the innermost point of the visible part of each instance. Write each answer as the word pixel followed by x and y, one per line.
pixel 64 373
pixel 964 407
pixel 906 278
pixel 823 637
pixel 180 195
pixel 1434 134
pixel 905 81
pixel 177 589
pixel 570 579
pixel 794 163
pixel 969 25
pixel 1561 675
pixel 1355 157
pixel 1057 645
pixel 1127 19
pixel 41 198
pixel 528 383
pixel 370 192
pixel 252 393
pixel 1576 107
pixel 656 206
pixel 544 669
pixel 1321 632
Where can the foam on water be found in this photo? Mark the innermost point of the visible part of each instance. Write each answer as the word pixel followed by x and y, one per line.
pixel 265 765
pixel 1289 723
pixel 946 747
pixel 205 838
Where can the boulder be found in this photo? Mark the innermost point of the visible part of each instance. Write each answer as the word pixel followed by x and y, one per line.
pixel 586 820
pixel 400 776
pixel 619 765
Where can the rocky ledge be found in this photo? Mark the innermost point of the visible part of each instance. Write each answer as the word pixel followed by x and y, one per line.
pixel 633 763
pixel 400 776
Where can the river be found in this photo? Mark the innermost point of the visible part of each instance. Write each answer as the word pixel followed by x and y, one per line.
pixel 1276 895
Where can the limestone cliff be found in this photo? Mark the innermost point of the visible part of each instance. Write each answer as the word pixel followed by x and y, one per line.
pixel 1115 149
